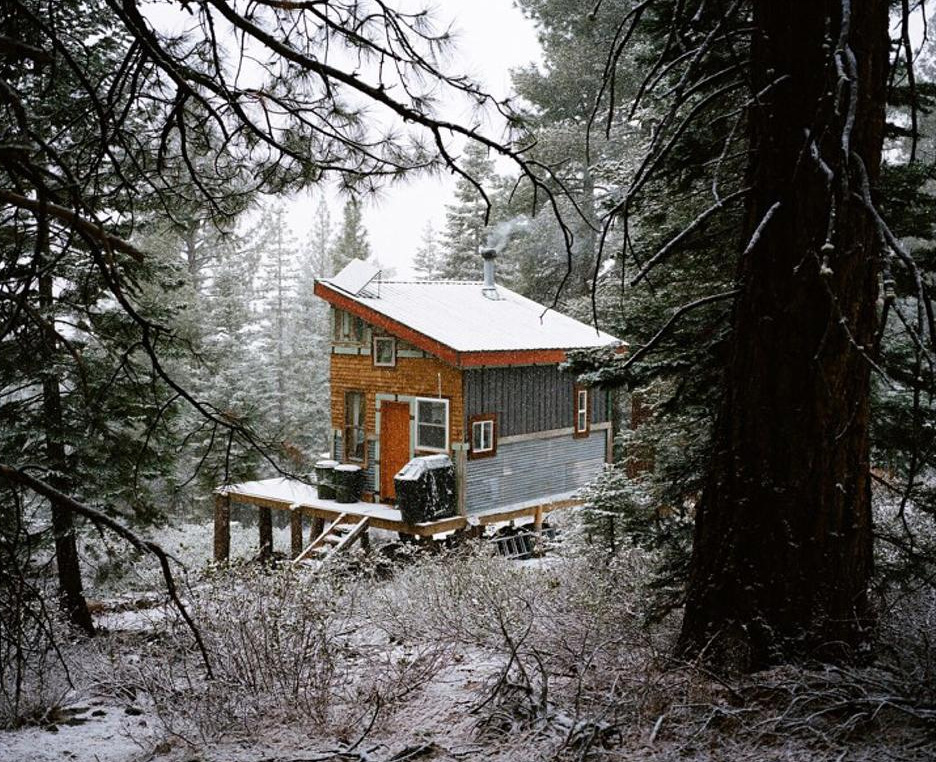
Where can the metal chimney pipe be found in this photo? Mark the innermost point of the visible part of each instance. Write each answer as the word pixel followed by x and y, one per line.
pixel 489 255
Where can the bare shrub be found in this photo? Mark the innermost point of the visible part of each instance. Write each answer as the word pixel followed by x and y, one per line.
pixel 286 646
pixel 574 653
pixel 34 656
pixel 34 659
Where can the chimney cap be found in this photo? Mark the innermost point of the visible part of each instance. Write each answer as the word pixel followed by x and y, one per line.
pixel 487 252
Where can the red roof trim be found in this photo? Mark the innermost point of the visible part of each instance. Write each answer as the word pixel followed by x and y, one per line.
pixel 442 351
pixel 511 357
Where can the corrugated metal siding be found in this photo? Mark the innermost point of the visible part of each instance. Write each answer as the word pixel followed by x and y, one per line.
pixel 370 472
pixel 524 471
pixel 527 398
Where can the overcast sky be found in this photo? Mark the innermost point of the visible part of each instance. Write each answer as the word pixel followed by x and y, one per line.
pixel 494 36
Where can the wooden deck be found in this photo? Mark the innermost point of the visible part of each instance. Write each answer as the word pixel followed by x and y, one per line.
pixel 303 501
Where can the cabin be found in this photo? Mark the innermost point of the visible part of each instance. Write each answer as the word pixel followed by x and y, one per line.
pixel 466 369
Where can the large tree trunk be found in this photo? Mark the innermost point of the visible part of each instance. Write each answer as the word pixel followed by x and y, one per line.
pixel 782 551
pixel 71 591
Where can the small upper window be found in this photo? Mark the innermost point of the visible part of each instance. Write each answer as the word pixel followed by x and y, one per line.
pixel 581 411
pixel 432 432
pixel 348 327
pixel 483 436
pixel 384 351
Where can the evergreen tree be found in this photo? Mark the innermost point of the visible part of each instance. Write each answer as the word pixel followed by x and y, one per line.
pixel 277 294
pixel 317 262
pixel 590 161
pixel 351 240
pixel 78 399
pixel 427 262
pixel 465 217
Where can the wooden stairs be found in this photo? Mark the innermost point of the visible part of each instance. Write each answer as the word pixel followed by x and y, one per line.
pixel 337 537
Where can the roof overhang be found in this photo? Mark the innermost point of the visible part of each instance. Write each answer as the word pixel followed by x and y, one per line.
pixel 477 359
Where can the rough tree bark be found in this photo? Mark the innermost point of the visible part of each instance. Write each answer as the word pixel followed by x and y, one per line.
pixel 782 548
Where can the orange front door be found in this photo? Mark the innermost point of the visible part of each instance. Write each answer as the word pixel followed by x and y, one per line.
pixel 394 444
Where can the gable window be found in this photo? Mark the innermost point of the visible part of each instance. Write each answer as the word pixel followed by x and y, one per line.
pixel 384 351
pixel 432 430
pixel 483 435
pixel 582 410
pixel 348 327
pixel 354 434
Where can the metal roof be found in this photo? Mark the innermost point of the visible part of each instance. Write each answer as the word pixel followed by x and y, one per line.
pixel 459 315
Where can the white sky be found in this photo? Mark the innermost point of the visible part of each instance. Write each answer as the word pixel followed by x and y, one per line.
pixel 493 37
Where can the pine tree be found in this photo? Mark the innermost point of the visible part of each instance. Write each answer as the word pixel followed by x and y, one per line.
pixel 561 95
pixel 319 249
pixel 277 295
pixel 427 260
pixel 464 231
pixel 782 548
pixel 78 399
pixel 351 241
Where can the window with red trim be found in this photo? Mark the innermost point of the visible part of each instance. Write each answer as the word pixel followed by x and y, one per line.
pixel 483 430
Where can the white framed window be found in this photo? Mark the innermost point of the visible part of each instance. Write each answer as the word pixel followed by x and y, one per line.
pixel 483 436
pixel 582 410
pixel 432 427
pixel 384 351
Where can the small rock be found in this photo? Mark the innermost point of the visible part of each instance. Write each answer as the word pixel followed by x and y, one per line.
pixel 133 711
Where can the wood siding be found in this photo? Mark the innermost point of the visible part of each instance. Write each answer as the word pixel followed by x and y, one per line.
pixel 528 398
pixel 533 469
pixel 412 377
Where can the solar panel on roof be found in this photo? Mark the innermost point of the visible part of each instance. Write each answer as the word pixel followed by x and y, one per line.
pixel 355 277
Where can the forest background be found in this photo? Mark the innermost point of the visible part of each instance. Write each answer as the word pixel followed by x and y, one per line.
pixel 137 383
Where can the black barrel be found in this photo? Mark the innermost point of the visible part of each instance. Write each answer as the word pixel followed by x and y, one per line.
pixel 349 483
pixel 325 478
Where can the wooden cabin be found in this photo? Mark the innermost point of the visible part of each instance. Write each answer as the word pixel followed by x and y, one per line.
pixel 469 369
pixel 465 369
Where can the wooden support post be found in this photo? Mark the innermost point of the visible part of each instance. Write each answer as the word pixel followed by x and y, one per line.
pixel 538 529
pixel 365 541
pixel 222 527
pixel 265 520
pixel 461 479
pixel 318 526
pixel 295 531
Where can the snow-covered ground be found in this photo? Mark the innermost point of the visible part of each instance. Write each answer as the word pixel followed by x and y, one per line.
pixel 448 656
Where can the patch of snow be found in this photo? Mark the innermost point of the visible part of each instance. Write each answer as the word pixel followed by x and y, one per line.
pixel 98 730
pixel 417 467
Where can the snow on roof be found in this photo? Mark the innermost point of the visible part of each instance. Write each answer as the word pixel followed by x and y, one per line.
pixel 459 315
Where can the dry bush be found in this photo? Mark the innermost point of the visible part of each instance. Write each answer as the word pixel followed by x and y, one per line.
pixel 579 673
pixel 575 656
pixel 286 647
pixel 35 650
pixel 35 656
